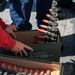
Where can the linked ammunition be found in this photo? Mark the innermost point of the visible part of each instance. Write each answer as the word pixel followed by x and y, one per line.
pixel 48 72
pixel 55 9
pixel 52 24
pixel 54 3
pixel 3 67
pixel 8 70
pixel 31 72
pixel 20 71
pixel 55 14
pixel 36 72
pixel 46 39
pixel 26 71
pixel 14 70
pixel 53 39
pixel 50 39
pixel 0 72
pixel 42 72
pixel 53 19
pixel 50 34
pixel 52 29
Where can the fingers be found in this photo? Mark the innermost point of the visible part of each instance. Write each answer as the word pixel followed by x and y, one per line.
pixel 21 53
pixel 16 54
pixel 27 47
pixel 14 28
pixel 24 52
pixel 20 48
pixel 13 34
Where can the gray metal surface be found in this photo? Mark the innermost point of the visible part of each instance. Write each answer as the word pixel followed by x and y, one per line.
pixel 67 31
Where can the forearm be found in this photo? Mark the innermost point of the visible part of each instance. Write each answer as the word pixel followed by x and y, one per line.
pixel 5 40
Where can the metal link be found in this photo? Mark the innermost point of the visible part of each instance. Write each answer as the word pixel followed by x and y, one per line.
pixel 73 1
pixel 54 14
pixel 54 3
pixel 52 23
pixel 51 39
pixel 50 34
pixel 53 19
pixel 55 9
pixel 52 29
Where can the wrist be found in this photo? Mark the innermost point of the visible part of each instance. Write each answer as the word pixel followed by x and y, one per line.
pixel 11 45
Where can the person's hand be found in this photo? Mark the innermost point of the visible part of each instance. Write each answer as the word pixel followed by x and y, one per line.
pixel 10 29
pixel 20 48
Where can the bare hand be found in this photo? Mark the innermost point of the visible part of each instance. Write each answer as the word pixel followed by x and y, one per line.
pixel 10 29
pixel 20 48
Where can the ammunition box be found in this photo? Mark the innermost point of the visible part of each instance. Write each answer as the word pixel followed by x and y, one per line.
pixel 44 56
pixel 47 51
pixel 55 68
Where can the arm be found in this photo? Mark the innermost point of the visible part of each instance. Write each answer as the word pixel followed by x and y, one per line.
pixel 8 28
pixel 5 40
pixel 10 44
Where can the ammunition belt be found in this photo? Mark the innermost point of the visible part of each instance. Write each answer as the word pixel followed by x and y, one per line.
pixel 9 69
pixel 52 32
